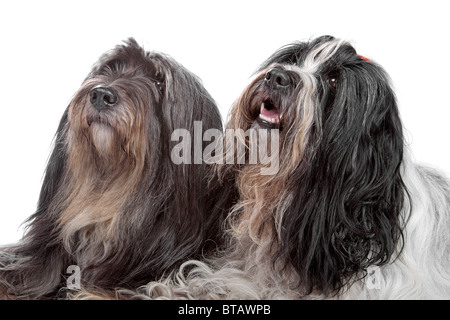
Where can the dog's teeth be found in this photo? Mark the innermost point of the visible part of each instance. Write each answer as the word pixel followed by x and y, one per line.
pixel 262 107
pixel 271 120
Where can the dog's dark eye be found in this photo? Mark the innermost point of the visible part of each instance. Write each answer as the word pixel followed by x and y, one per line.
pixel 159 81
pixel 159 85
pixel 332 81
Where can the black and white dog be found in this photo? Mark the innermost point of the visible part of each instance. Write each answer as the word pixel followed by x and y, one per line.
pixel 348 214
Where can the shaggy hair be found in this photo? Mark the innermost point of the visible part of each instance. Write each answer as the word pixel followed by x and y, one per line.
pixel 112 202
pixel 347 215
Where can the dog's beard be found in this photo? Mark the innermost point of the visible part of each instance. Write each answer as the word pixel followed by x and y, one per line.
pixel 107 152
pixel 103 138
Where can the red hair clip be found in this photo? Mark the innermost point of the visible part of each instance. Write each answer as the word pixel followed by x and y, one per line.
pixel 364 58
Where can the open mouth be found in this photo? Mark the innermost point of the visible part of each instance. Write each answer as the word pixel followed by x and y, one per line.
pixel 269 113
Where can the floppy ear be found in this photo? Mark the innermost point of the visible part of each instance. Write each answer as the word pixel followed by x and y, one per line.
pixel 200 201
pixel 186 100
pixel 346 215
pixel 54 170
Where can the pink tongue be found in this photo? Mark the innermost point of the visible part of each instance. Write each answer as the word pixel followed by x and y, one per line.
pixel 272 113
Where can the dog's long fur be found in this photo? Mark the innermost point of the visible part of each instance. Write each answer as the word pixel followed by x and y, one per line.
pixel 112 201
pixel 348 215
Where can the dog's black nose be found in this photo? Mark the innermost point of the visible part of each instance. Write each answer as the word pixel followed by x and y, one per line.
pixel 103 97
pixel 277 78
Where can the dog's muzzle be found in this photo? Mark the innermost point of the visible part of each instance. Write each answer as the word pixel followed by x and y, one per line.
pixel 277 81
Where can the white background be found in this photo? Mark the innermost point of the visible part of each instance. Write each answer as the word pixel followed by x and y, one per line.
pixel 48 47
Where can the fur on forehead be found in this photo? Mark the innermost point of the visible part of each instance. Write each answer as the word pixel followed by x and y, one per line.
pixel 130 55
pixel 316 56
